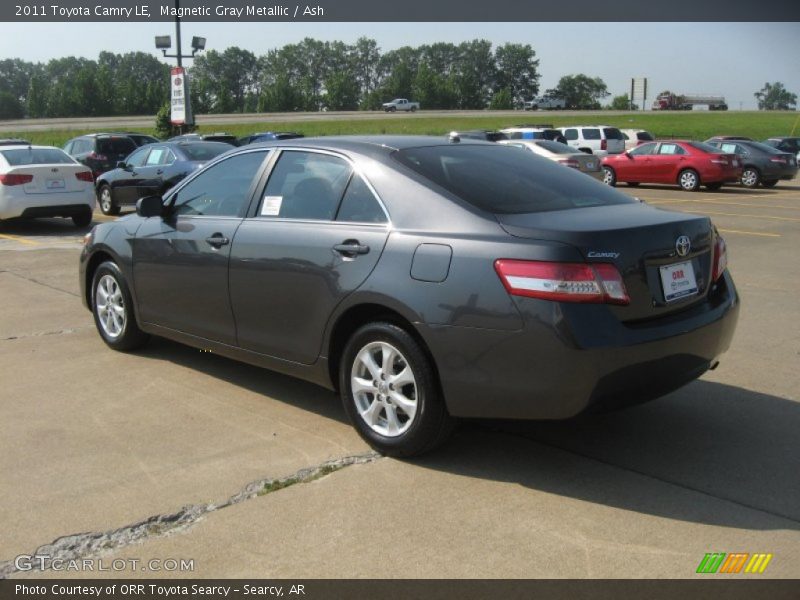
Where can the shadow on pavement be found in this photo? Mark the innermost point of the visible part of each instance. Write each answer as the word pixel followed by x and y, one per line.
pixel 725 442
pixel 707 453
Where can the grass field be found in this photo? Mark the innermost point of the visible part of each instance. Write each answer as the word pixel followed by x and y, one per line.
pixel 698 125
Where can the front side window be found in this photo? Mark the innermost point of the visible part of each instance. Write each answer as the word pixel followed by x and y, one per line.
pixel 222 190
pixel 643 150
pixel 137 159
pixel 305 185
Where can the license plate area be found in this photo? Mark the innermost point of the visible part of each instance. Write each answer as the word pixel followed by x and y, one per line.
pixel 678 281
pixel 55 184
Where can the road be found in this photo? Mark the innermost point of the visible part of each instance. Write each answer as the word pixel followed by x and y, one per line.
pixel 173 453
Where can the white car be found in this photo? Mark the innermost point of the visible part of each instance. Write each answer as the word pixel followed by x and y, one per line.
pixel 634 137
pixel 595 139
pixel 562 154
pixel 43 181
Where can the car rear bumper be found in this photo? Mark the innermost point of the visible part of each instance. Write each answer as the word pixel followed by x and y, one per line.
pixel 568 360
pixel 32 206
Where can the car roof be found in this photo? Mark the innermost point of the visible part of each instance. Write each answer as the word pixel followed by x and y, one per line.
pixel 370 144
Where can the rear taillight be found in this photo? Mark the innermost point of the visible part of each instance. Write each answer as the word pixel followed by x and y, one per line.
pixel 15 179
pixel 720 161
pixel 85 176
pixel 778 159
pixel 720 259
pixel 603 144
pixel 96 156
pixel 563 282
pixel 568 162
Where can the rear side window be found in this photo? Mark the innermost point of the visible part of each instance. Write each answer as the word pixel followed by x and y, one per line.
pixel 359 204
pixel 591 134
pixel 503 180
pixel 612 133
pixel 671 149
pixel 305 185
pixel 36 156
pixel 119 145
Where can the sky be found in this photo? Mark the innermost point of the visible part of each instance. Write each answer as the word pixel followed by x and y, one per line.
pixel 730 59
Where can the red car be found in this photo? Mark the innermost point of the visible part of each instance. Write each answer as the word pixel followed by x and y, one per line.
pixel 687 164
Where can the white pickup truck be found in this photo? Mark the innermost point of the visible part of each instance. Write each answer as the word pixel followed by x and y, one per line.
pixel 400 104
pixel 545 103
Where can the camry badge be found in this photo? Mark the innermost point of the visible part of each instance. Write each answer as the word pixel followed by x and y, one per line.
pixel 682 245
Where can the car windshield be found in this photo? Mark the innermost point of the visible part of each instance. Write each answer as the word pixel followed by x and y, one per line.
pixel 204 150
pixel 555 147
pixel 705 147
pixel 503 180
pixel 36 156
pixel 115 145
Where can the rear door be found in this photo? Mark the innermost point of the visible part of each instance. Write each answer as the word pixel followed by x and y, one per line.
pixel 314 237
pixel 615 141
pixel 669 160
pixel 181 261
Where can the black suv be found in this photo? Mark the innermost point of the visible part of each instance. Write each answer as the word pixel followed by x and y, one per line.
pixel 100 151
pixel 785 144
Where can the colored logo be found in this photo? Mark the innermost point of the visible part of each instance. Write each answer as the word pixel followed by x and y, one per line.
pixel 736 562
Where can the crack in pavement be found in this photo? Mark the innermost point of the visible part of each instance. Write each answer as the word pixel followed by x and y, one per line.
pixel 36 281
pixel 43 333
pixel 83 545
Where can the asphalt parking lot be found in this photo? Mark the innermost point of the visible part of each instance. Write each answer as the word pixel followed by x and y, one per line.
pixel 173 454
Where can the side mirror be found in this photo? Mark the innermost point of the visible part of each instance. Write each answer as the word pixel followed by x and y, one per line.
pixel 122 165
pixel 150 206
pixel 628 154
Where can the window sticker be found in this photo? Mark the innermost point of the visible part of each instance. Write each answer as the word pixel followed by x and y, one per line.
pixel 271 207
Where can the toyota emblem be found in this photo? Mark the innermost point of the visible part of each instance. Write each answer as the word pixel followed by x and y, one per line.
pixel 682 245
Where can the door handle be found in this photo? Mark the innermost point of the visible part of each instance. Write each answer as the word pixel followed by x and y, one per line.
pixel 217 240
pixel 351 248
pixel 159 172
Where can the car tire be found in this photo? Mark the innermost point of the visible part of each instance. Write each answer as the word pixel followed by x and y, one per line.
pixel 413 109
pixel 689 180
pixel 750 177
pixel 83 219
pixel 609 176
pixel 403 421
pixel 713 187
pixel 112 307
pixel 105 200
pixel 768 183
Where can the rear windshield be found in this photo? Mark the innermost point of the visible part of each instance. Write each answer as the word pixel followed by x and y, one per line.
pixel 556 147
pixel 502 180
pixel 36 156
pixel 204 150
pixel 612 133
pixel 118 145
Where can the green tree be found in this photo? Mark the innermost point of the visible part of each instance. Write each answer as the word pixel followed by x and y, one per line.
pixel 502 100
pixel 10 106
pixel 581 91
pixel 774 96
pixel 517 71
pixel 475 75
pixel 622 102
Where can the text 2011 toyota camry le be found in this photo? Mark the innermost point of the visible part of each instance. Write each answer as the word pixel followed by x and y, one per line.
pixel 422 278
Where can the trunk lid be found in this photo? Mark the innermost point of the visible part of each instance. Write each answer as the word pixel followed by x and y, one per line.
pixel 641 241
pixel 52 179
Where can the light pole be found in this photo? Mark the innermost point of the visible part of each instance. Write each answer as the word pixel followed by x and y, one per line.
pixel 164 43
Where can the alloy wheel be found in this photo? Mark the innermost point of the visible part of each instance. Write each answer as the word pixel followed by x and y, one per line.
pixel 110 306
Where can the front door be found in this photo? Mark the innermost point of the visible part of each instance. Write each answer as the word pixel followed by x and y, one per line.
pixel 181 261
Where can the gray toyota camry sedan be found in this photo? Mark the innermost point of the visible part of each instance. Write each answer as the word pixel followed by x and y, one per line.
pixel 424 279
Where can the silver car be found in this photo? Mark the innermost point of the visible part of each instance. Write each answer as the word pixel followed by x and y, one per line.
pixel 562 154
